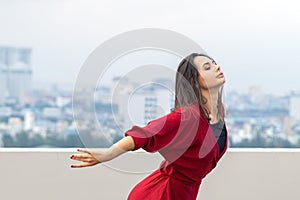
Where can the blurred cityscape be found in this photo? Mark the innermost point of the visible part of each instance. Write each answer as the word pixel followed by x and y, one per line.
pixel 31 117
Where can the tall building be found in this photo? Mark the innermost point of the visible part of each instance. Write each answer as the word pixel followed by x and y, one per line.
pixel 10 56
pixel 28 120
pixel 149 104
pixel 120 89
pixel 15 72
pixel 294 110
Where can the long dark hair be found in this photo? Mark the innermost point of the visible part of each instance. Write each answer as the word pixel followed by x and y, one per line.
pixel 187 87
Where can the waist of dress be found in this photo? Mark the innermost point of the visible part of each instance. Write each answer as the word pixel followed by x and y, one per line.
pixel 172 173
pixel 182 180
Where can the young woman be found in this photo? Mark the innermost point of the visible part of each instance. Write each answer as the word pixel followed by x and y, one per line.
pixel 192 137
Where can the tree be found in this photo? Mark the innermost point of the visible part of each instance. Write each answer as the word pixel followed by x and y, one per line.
pixel 8 140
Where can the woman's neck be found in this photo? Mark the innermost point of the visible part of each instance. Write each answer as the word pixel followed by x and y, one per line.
pixel 212 103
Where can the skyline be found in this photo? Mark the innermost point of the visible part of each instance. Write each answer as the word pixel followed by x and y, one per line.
pixel 254 42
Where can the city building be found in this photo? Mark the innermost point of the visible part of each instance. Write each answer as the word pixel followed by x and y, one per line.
pixel 294 109
pixel 15 72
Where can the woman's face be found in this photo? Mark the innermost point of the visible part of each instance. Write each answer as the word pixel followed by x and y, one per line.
pixel 209 73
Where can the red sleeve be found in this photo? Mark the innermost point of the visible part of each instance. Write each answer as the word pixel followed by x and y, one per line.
pixel 157 133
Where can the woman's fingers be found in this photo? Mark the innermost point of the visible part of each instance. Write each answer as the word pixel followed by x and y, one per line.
pixel 79 156
pixel 84 150
pixel 87 158
pixel 82 165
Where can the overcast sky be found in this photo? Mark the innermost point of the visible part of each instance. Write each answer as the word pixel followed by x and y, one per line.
pixel 256 42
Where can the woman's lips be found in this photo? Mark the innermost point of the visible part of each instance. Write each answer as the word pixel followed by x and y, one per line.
pixel 220 75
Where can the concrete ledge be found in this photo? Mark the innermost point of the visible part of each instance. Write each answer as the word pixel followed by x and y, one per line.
pixel 245 174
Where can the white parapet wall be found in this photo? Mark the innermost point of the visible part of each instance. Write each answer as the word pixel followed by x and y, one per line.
pixel 242 174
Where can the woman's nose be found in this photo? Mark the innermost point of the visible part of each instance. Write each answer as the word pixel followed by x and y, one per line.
pixel 218 67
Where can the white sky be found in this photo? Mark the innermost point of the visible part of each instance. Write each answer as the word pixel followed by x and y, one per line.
pixel 256 42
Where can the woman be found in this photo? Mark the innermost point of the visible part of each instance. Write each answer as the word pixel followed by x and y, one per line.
pixel 192 137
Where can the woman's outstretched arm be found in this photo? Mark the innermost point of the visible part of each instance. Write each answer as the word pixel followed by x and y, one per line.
pixel 93 157
pixel 127 143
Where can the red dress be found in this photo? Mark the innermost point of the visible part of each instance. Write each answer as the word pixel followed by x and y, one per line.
pixel 190 151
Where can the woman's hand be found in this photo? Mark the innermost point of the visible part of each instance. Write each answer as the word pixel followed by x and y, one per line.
pixel 87 158
pixel 93 157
